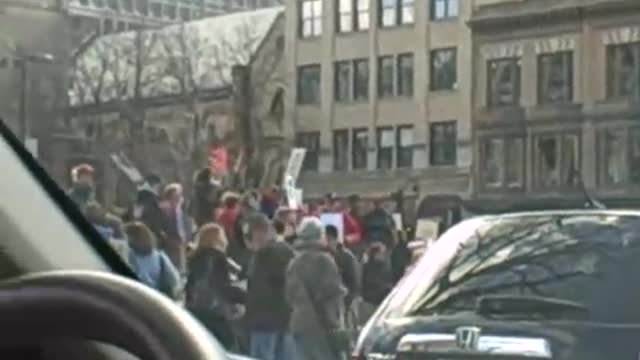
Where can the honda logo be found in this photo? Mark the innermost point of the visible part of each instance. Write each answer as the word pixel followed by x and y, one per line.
pixel 467 337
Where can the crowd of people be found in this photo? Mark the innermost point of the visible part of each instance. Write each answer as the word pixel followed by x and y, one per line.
pixel 265 279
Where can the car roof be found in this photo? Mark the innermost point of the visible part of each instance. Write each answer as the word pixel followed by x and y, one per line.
pixel 538 213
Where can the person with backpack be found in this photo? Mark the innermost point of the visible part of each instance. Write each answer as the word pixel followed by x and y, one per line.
pixel 210 296
pixel 152 266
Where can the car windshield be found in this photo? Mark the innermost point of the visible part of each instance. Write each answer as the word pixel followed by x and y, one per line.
pixel 559 256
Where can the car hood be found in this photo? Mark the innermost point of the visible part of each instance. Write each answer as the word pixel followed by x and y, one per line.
pixel 567 340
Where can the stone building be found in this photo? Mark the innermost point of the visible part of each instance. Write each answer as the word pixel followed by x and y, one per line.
pixel 381 96
pixel 555 107
pixel 214 81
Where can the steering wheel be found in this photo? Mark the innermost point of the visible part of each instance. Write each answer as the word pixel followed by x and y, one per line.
pixel 102 307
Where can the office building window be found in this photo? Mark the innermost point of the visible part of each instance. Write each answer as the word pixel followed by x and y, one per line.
pixel 385 146
pixel 311 142
pixel 142 6
pixel 385 76
pixel 353 15
pixel 503 82
pixel 170 11
pixel 127 5
pixel 107 26
pixel 185 14
pixel 396 12
pixel 623 70
pixel 405 146
pixel 405 75
pixel 555 78
pixel 343 81
pixel 444 9
pixel 156 9
pixel 557 159
pixel 360 149
pixel 443 143
pixel 309 84
pixel 113 4
pixel 310 18
pixel 444 69
pixel 122 26
pixel 361 79
pixel 341 150
pixel 98 3
pixel 362 15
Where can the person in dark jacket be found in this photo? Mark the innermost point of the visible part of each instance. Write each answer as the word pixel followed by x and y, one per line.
pixel 206 193
pixel 377 279
pixel 379 226
pixel 82 191
pixel 268 314
pixel 147 210
pixel 347 263
pixel 238 249
pixel 210 296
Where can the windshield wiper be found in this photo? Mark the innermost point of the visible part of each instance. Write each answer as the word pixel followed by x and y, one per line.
pixel 531 307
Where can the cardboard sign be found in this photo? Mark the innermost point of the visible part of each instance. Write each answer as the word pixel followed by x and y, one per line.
pixel 397 219
pixel 337 220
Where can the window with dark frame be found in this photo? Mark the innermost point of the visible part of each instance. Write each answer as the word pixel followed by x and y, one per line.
pixel 142 6
pixel 503 85
pixel 502 162
pixel 353 15
pixel 444 9
pixel 405 75
pixel 341 150
pixel 360 149
pixel 343 81
pixel 444 72
pixel 443 144
pixel 127 5
pixel 620 156
pixel 405 146
pixel 623 70
pixel 385 76
pixel 310 18
pixel 396 12
pixel 555 77
pixel 185 14
pixel 311 142
pixel 385 144
pixel 309 84
pixel 557 159
pixel 361 79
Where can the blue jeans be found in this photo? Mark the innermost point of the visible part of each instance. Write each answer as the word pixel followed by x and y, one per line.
pixel 272 346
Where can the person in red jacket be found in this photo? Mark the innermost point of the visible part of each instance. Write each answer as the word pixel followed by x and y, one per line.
pixel 353 227
pixel 228 214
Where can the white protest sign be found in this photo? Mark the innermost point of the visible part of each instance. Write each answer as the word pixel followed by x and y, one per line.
pixel 337 220
pixel 294 198
pixel 427 230
pixel 397 219
pixel 294 166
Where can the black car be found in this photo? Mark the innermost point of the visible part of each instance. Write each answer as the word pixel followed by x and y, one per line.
pixel 538 285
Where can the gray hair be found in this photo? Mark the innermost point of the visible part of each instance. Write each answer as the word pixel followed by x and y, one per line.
pixel 311 229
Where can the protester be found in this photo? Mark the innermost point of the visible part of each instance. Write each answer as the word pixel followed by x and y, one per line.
pixel 95 214
pixel 147 210
pixel 228 214
pixel 376 276
pixel 238 250
pixel 280 229
pixel 353 232
pixel 82 189
pixel 209 294
pixel 178 227
pixel 289 218
pixel 315 293
pixel 379 226
pixel 154 182
pixel 152 266
pixel 206 191
pixel 347 263
pixel 267 311
pixel 401 258
pixel 269 202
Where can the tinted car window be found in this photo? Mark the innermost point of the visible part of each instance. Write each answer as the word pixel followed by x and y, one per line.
pixel 590 259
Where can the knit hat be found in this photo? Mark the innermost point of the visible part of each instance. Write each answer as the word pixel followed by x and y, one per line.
pixel 310 229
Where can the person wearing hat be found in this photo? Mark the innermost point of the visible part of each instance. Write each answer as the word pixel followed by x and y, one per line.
pixel 315 293
pixel 267 315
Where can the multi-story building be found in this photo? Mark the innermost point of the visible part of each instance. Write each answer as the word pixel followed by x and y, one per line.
pixel 380 95
pixel 556 106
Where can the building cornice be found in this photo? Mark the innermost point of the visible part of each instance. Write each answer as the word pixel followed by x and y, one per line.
pixel 533 13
